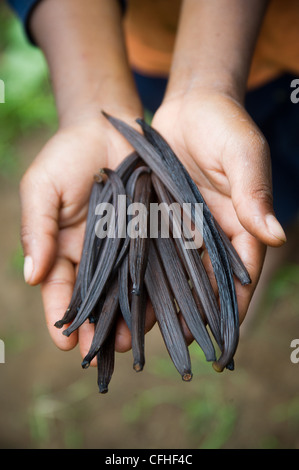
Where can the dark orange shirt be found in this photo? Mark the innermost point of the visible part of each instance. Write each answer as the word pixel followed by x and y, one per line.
pixel 151 25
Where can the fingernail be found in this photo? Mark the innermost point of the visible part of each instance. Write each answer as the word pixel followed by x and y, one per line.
pixel 275 228
pixel 28 268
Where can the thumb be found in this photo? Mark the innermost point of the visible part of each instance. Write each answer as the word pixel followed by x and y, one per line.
pixel 39 227
pixel 250 181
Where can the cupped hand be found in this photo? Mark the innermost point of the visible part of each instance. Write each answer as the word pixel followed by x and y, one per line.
pixel 54 195
pixel 229 159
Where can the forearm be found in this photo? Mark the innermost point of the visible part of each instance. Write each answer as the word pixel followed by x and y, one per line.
pixel 84 47
pixel 214 46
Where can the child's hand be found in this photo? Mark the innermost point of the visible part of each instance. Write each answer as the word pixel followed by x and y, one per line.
pixel 54 197
pixel 228 158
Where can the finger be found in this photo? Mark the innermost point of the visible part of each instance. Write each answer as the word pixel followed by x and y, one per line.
pixel 56 292
pixel 122 336
pixel 39 205
pixel 249 175
pixel 186 332
pixel 252 252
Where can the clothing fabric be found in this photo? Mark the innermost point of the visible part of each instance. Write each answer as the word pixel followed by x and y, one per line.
pixel 151 27
pixel 24 9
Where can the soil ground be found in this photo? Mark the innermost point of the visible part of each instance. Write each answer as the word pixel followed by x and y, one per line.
pixel 48 401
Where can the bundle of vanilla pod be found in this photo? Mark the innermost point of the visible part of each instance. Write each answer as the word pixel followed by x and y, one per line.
pixel 118 275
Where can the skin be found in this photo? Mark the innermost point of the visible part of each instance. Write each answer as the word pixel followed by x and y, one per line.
pixel 202 117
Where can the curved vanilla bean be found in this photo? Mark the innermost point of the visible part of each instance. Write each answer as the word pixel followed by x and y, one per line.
pixel 237 264
pixel 98 195
pixel 105 362
pixel 87 256
pixel 162 301
pixel 106 261
pixel 73 307
pixel 130 188
pixel 91 249
pixel 138 311
pixel 123 282
pixel 105 322
pixel 195 268
pixel 181 290
pixel 122 262
pixel 78 291
pixel 138 256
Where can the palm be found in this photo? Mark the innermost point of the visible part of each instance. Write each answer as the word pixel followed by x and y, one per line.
pixel 205 136
pixel 63 173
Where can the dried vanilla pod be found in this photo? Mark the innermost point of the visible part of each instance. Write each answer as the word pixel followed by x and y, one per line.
pixel 130 188
pixel 193 264
pixel 106 261
pixel 238 267
pixel 138 256
pixel 105 322
pixel 123 170
pixel 123 282
pixel 106 361
pixel 181 290
pixel 162 301
pixel 78 292
pixel 122 262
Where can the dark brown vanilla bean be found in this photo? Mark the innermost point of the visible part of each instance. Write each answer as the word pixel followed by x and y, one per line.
pixel 106 261
pixel 93 246
pixel 73 307
pixel 98 195
pixel 130 189
pixel 138 311
pixel 78 291
pixel 181 290
pixel 124 266
pixel 105 322
pixel 88 265
pixel 162 300
pixel 194 266
pixel 138 255
pixel 123 282
pixel 139 245
pixel 237 264
pixel 106 361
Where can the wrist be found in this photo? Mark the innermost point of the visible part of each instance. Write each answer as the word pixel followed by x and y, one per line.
pixel 88 107
pixel 185 81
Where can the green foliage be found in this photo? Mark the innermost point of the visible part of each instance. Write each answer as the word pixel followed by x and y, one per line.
pixel 54 417
pixel 205 415
pixel 29 103
pixel 284 284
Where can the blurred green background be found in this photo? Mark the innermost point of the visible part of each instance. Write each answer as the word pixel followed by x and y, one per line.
pixel 48 401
